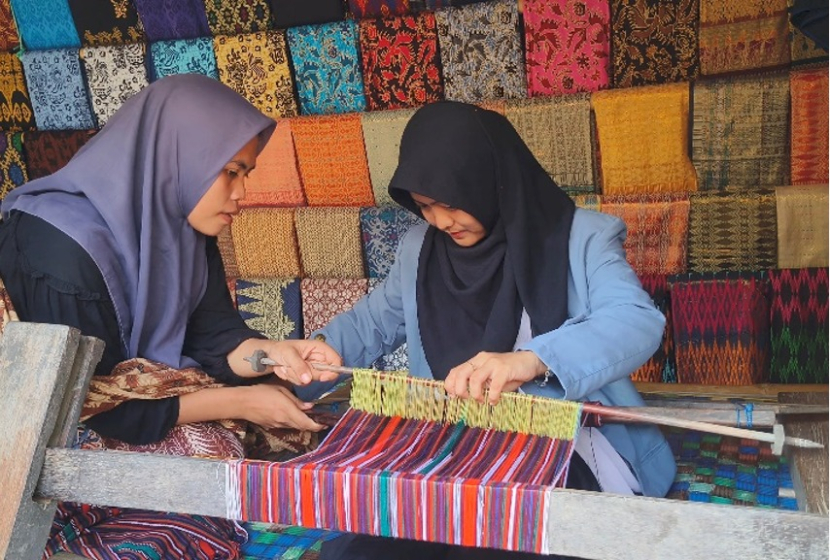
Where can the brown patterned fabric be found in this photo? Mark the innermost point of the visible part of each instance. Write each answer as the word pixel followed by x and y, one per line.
pixel 228 253
pixel 660 367
pixel 323 298
pixel 49 150
pixel 265 243
pixel 9 39
pixel 809 130
pixel 329 241
pixel 15 107
pixel 803 226
pixel 382 131
pixel 234 17
pixel 653 41
pixel 276 180
pixel 7 312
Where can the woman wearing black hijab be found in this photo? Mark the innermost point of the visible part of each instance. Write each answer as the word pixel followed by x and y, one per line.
pixel 508 287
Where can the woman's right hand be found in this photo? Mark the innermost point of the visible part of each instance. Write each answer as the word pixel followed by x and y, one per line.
pixel 273 406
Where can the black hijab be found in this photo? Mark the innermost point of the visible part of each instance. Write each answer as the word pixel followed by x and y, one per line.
pixel 470 299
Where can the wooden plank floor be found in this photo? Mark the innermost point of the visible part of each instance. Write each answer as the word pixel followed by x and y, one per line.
pixel 810 466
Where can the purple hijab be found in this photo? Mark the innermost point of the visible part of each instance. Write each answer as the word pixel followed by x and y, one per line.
pixel 126 195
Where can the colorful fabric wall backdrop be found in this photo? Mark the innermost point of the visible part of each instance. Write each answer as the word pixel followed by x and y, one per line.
pixel 703 124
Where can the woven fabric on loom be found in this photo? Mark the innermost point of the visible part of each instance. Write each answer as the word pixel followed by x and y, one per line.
pixel 271 306
pixel 276 180
pixel 661 366
pixel 12 167
pixel 228 253
pixel 9 39
pixel 45 24
pixel 61 108
pixel 810 127
pixel 256 66
pixel 183 56
pixel 798 326
pixel 721 328
pixel 271 542
pixel 15 107
pixel 658 228
pixel 237 17
pixel 48 151
pixel 558 132
pixel 740 133
pixel 643 135
pixel 588 201
pixel 743 35
pixel 381 229
pixel 327 68
pixel 290 13
pixel 727 470
pixel 802 214
pixel 567 48
pixel 653 42
pixel 114 74
pixel 732 231
pixel 362 9
pixel 332 160
pixel 329 242
pixel 398 359
pixel 382 131
pixel 323 298
pixel 401 67
pixel 481 52
pixel 104 22
pixel 164 20
pixel 265 243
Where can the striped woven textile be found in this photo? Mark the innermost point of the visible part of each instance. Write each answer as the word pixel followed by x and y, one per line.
pixel 45 24
pixel 362 9
pixel 481 51
pixel 265 243
pixel 732 230
pixel 104 22
pixel 183 56
pixel 740 133
pixel 398 359
pixel 803 223
pixel 256 66
pixel 658 228
pixel 323 298
pixel 558 132
pixel 329 242
pixel 9 38
pixel 237 17
pixel 567 46
pixel 743 35
pixel 643 137
pixel 48 151
pixel 382 131
pixel 15 107
pixel 798 326
pixel 164 20
pixel 381 229
pixel 721 328
pixel 401 67
pixel 12 166
pixel 661 366
pixel 809 130
pixel 271 306
pixel 653 42
pixel 114 74
pixel 276 180
pixel 332 160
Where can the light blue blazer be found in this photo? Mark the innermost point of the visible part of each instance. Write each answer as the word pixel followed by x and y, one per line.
pixel 613 328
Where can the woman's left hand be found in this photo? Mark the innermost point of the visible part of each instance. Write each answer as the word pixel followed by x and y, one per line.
pixel 493 373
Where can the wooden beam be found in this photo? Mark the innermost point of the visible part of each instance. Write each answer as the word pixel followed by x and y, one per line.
pixel 762 391
pixel 809 466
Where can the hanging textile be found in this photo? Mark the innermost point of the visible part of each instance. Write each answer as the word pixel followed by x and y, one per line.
pixel 398 359
pixel 660 368
pixel 802 225
pixel 481 52
pixel 48 151
pixel 183 56
pixel 45 24
pixel 15 107
pixel 323 298
pixel 362 9
pixel 64 108
pixel 164 20
pixel 382 131
pixel 401 67
pixel 271 306
pixel 803 49
pixel 235 17
pixel 265 244
pixel 276 180
pixel 256 66
pixel 114 74
pixel 432 5
pixel 382 229
pixel 228 253
pixel 106 22
pixel 654 42
pixel 9 40
pixel 329 242
pixel 809 128
pixel 12 167
pixel 740 131
pixel 588 201
pixel 290 13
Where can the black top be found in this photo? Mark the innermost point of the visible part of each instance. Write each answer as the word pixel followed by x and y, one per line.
pixel 51 279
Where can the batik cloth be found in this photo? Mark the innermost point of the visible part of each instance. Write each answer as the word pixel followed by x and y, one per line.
pixel 382 131
pixel 329 241
pixel 802 223
pixel 332 160
pixel 64 108
pixel 660 368
pixel 731 231
pixel 481 52
pixel 362 9
pixel 15 107
pixel 48 151
pixel 653 42
pixel 45 24
pixel 398 359
pixel 183 56
pixel 12 167
pixel 276 180
pixel 323 298
pixel 381 230
pixel 809 129
pixel 9 39
pixel 265 244
pixel 114 74
pixel 643 138
pixel 235 17
pixel 106 22
pixel 401 66
pixel 798 326
pixel 740 131
pixel 743 35
pixel 271 306
pixel 327 68
pixel 256 66
pixel 165 20
pixel 290 13
pixel 558 132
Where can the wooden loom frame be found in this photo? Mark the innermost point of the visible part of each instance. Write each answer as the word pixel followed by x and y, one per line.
pixel 40 404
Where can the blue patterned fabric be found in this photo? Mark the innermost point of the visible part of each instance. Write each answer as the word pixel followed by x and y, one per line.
pixel 165 20
pixel 45 24
pixel 327 67
pixel 185 56
pixel 271 306
pixel 381 229
pixel 396 360
pixel 56 89
pixel 269 542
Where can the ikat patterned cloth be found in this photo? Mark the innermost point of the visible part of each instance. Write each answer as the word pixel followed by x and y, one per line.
pixel 114 74
pixel 183 56
pixel 809 128
pixel 45 24
pixel 276 179
pixel 106 22
pixel 265 243
pixel 167 20
pixel 9 38
pixel 801 212
pixel 323 298
pixel 12 166
pixel 382 229
pixel 16 111
pixel 235 17
pixel 660 368
pixel 382 131
pixel 49 150
pixel 271 306
pixel 329 242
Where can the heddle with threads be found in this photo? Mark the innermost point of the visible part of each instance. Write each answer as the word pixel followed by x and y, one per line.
pixel 409 461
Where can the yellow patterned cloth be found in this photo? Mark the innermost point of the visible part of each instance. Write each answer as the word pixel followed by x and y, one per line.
pixel 265 243
pixel 643 137
pixel 558 132
pixel 256 66
pixel 15 107
pixel 382 131
pixel 276 180
pixel 234 17
pixel 803 226
pixel 329 241
pixel 588 201
pixel 13 172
